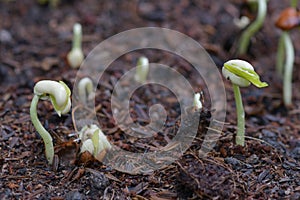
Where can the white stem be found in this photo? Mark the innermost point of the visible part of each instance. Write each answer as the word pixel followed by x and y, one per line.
pixel 85 89
pixel 142 70
pixel 77 36
pixel 49 149
pixel 197 103
pixel 288 69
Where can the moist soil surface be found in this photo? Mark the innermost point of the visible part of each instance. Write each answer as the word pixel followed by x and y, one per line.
pixel 35 40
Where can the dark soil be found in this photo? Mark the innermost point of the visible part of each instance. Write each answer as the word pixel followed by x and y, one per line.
pixel 34 42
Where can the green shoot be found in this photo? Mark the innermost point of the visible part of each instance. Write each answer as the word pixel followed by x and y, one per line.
pixel 254 27
pixel 288 20
pixel 241 74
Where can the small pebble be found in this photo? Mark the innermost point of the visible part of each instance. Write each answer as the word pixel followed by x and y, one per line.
pixel 74 195
pixel 268 133
pixel 235 163
pixel 253 159
pixel 150 12
pixel 98 180
pixel 5 36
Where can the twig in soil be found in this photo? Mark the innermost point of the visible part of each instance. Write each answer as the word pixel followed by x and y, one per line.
pixel 73 117
pixel 37 192
pixel 68 176
pixel 294 112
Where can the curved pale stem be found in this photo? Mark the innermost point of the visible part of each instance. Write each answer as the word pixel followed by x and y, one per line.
pixel 280 55
pixel 288 69
pixel 85 89
pixel 254 27
pixel 240 136
pixel 41 130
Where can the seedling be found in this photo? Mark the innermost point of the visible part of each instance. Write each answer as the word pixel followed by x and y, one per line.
pixel 285 47
pixel 241 22
pixel 197 104
pixel 59 94
pixel 288 19
pixel 241 74
pixel 85 90
pixel 75 56
pixel 254 26
pixel 93 141
pixel 142 70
